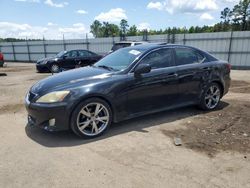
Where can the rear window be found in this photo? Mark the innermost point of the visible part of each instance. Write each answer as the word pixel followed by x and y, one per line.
pixel 120 45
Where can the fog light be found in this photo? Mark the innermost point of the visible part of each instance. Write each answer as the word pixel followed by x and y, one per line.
pixel 52 122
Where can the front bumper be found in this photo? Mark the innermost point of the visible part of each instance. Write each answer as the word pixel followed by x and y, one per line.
pixel 51 117
pixel 42 68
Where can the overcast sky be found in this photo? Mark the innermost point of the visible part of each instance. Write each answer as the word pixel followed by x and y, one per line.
pixel 53 18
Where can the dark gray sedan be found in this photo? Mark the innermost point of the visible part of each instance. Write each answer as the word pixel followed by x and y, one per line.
pixel 130 82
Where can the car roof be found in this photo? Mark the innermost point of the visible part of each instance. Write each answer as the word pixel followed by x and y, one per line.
pixel 150 46
pixel 125 42
pixel 77 49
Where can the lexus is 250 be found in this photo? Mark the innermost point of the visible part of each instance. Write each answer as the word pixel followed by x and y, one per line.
pixel 128 83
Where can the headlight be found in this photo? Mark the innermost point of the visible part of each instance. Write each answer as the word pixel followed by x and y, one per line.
pixel 56 96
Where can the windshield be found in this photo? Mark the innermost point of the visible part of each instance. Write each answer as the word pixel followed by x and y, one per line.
pixel 120 59
pixel 60 54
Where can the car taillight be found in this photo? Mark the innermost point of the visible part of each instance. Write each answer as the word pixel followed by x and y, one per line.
pixel 229 66
pixel 1 56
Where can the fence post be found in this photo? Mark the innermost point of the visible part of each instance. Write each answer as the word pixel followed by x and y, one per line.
pixel 44 47
pixel 113 39
pixel 28 49
pixel 64 45
pixel 87 41
pixel 230 47
pixel 13 50
pixel 173 38
pixel 145 35
pixel 168 37
pixel 184 39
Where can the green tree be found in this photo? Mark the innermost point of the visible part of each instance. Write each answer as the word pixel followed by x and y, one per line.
pixel 241 13
pixel 124 27
pixel 191 29
pixel 226 15
pixel 96 29
pixel 114 30
pixel 106 29
pixel 132 31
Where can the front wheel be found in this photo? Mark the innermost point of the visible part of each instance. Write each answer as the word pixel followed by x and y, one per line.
pixel 91 118
pixel 211 97
pixel 55 68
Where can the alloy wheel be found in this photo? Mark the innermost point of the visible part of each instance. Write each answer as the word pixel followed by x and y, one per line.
pixel 92 119
pixel 55 68
pixel 212 97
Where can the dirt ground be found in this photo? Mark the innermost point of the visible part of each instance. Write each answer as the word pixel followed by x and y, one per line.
pixel 215 150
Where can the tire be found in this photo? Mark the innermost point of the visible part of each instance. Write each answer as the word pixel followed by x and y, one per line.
pixel 211 97
pixel 54 68
pixel 91 118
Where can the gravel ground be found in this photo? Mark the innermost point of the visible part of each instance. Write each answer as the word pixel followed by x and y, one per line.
pixel 137 153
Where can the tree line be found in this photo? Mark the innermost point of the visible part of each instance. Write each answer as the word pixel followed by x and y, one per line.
pixel 237 19
pixel 17 40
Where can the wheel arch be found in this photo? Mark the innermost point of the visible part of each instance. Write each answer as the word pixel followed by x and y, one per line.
pixel 89 97
pixel 221 85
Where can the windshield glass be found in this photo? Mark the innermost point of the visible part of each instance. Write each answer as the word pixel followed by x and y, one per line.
pixel 60 54
pixel 119 59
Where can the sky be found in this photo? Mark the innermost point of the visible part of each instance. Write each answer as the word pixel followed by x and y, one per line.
pixel 53 19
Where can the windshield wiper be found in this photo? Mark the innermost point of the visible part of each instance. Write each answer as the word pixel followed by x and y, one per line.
pixel 107 67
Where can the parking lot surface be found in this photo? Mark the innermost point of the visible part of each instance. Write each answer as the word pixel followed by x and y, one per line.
pixel 215 150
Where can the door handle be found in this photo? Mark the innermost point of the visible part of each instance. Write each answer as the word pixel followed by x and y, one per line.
pixel 206 68
pixel 172 75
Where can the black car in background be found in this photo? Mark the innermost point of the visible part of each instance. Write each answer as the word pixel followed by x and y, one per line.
pixel 67 60
pixel 127 83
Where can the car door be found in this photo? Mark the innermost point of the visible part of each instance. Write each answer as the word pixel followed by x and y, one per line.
pixel 69 61
pixel 191 72
pixel 84 58
pixel 157 89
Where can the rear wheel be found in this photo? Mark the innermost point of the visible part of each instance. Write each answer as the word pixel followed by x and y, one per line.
pixel 211 97
pixel 91 118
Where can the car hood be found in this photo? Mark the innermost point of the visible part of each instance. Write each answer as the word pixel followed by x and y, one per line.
pixel 70 79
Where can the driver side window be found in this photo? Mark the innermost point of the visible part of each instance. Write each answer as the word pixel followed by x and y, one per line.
pixel 159 59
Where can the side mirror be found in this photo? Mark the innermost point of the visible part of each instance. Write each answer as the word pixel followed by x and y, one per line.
pixel 65 56
pixel 142 69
